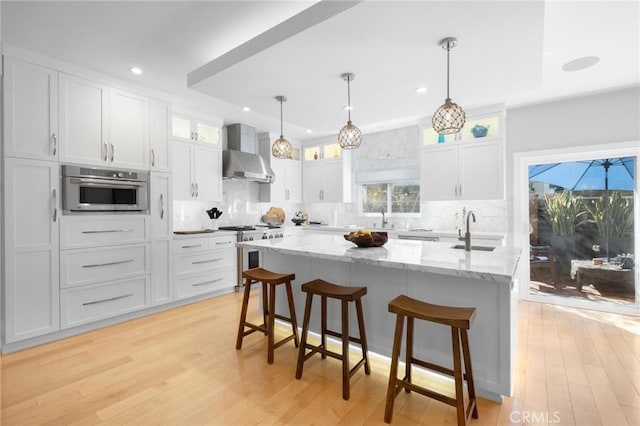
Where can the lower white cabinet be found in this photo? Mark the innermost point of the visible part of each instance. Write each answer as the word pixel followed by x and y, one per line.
pixel 81 305
pixel 204 264
pixel 160 210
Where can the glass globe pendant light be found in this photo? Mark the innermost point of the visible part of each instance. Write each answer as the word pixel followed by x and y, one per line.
pixel 450 117
pixel 349 137
pixel 281 147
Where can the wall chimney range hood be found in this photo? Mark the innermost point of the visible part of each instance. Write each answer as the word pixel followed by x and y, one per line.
pixel 240 160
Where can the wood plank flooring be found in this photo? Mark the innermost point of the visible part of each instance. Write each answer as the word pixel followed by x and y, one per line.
pixel 181 368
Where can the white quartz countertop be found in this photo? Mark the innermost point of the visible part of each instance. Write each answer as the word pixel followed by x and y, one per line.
pixel 424 256
pixel 485 235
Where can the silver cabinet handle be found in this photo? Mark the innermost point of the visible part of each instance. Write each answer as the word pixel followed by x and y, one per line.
pixel 54 196
pixel 112 152
pixel 460 190
pixel 104 231
pixel 161 207
pixel 105 150
pixel 192 189
pixel 320 194
pixel 197 190
pixel 205 283
pixel 225 242
pixel 196 136
pixel 118 262
pixel 107 300
pixel 197 262
pixel 153 158
pixel 193 246
pixel 54 139
pixel 193 136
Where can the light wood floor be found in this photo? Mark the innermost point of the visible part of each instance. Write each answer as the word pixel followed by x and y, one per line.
pixel 181 368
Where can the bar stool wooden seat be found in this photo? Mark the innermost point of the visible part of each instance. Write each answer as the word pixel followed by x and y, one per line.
pixel 345 295
pixel 272 280
pixel 460 320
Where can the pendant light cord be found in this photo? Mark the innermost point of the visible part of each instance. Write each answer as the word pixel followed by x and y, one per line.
pixel 349 97
pixel 281 132
pixel 448 50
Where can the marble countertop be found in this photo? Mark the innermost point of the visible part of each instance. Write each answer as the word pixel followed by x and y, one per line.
pixel 485 235
pixel 202 233
pixel 435 257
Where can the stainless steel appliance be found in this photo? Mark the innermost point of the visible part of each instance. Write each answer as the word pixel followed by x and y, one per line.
pixel 240 160
pixel 88 189
pixel 251 258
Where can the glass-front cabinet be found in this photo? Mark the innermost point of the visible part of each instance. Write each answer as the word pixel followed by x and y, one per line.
pixel 477 128
pixel 191 129
pixel 322 152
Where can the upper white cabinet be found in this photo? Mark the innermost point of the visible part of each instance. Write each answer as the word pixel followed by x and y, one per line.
pixel 159 135
pixel 102 126
pixel 327 181
pixel 30 111
pixel 31 269
pixel 287 186
pixel 188 129
pixel 468 165
pixel 197 172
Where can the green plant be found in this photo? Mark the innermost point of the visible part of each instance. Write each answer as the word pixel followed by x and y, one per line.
pixel 620 215
pixel 564 212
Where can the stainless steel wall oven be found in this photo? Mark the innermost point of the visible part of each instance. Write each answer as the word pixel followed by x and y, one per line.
pixel 88 189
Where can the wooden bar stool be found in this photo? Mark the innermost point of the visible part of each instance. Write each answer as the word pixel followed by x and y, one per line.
pixel 271 279
pixel 460 320
pixel 345 295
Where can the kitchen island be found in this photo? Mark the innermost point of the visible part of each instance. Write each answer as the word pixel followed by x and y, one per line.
pixel 430 271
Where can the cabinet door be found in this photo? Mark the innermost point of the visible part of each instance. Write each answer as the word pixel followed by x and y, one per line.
pixel 207 173
pixel 207 133
pixel 182 179
pixel 30 111
pixel 332 182
pixel 83 118
pixel 128 130
pixel 159 131
pixel 160 208
pixel 293 177
pixel 439 173
pixel 481 171
pixel 181 129
pixel 161 239
pixel 312 187
pixel 32 255
pixel 278 189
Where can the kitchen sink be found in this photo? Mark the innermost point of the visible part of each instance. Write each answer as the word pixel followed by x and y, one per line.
pixel 474 248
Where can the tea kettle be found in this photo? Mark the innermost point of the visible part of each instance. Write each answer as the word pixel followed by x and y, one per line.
pixel 214 213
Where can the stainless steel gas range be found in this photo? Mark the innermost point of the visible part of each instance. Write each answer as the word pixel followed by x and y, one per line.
pixel 248 259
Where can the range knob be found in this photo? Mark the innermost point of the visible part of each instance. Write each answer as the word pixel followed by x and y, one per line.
pixel 264 237
pixel 280 235
pixel 271 236
pixel 250 238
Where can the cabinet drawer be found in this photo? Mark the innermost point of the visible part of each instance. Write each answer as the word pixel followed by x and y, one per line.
pixel 189 245
pixel 194 285
pixel 92 303
pixel 79 267
pixel 222 242
pixel 90 231
pixel 207 261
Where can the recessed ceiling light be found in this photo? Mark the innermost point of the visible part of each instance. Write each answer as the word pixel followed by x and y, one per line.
pixel 246 109
pixel 421 90
pixel 580 63
pixel 309 131
pixel 136 70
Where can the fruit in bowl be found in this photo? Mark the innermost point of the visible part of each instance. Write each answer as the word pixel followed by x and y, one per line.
pixel 365 238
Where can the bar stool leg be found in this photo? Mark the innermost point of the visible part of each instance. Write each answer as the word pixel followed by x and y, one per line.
pixel 292 313
pixel 467 366
pixel 323 325
pixel 393 374
pixel 271 325
pixel 265 308
pixel 243 314
pixel 345 350
pixel 409 354
pixel 457 374
pixel 363 336
pixel 305 332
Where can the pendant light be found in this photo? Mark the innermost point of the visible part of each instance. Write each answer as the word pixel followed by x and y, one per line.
pixel 450 117
pixel 281 147
pixel 350 137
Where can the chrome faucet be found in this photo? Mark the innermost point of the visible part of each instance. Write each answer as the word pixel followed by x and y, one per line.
pixel 384 220
pixel 467 234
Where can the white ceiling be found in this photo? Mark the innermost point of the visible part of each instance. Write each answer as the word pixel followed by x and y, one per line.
pixel 508 51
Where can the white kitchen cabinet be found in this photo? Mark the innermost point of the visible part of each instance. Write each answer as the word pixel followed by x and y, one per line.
pixel 287 187
pixel 83 115
pixel 159 135
pixel 197 172
pixel 30 111
pixel 465 165
pixel 326 181
pixel 204 264
pixel 128 130
pixel 31 268
pixel 87 231
pixel 190 129
pixel 160 210
pixel 102 126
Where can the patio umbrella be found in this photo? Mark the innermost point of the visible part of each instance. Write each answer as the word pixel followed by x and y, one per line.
pixel 603 174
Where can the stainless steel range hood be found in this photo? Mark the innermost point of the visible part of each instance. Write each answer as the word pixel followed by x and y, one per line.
pixel 240 160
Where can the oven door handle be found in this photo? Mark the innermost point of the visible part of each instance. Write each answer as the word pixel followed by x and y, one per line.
pixel 105 183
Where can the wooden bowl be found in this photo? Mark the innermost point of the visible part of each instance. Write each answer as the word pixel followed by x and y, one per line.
pixel 375 239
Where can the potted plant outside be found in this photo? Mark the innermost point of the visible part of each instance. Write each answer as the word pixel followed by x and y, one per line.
pixel 613 216
pixel 564 213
